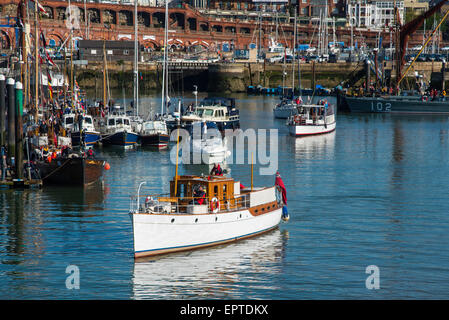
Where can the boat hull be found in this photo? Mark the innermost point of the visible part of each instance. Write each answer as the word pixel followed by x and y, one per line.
pixel 308 130
pixel 71 171
pixel 156 234
pixel 395 105
pixel 220 125
pixel 121 138
pixel 160 141
pixel 284 113
pixel 90 137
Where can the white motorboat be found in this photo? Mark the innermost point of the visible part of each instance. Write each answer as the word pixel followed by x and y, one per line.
pixel 154 133
pixel 205 151
pixel 312 119
pixel 116 129
pixel 189 218
pixel 81 128
pixel 219 113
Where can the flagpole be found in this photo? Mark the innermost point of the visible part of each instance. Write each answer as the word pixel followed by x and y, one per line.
pixel 24 8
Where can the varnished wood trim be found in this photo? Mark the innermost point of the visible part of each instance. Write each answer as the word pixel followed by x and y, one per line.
pixel 257 210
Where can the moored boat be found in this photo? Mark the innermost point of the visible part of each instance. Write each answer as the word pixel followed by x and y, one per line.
pixel 220 113
pixel 87 134
pixel 312 119
pixel 286 109
pixel 396 104
pixel 116 130
pixel 73 169
pixel 206 151
pixel 189 218
pixel 154 133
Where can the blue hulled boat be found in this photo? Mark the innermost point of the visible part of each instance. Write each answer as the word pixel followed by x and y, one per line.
pixel 81 126
pixel 116 130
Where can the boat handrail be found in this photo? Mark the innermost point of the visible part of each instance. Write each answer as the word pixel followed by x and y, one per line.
pixel 159 205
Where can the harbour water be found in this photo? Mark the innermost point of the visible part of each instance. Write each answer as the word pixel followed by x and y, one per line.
pixel 374 192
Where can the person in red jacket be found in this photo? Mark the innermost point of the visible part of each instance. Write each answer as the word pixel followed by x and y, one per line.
pixel 199 195
pixel 216 170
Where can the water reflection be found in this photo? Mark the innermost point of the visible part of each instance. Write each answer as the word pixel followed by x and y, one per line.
pixel 217 272
pixel 19 221
pixel 90 198
pixel 314 147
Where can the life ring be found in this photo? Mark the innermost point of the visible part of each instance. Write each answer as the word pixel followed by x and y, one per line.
pixel 214 205
pixel 296 118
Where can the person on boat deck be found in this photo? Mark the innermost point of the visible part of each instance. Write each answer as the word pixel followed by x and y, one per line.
pixel 199 195
pixel 90 153
pixel 216 170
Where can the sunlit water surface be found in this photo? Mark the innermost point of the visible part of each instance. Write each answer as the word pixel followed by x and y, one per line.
pixel 374 192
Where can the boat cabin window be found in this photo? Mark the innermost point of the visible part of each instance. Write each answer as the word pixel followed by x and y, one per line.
pixel 119 120
pixel 111 122
pixel 181 192
pixel 215 190
pixel 224 191
pixel 208 112
pixel 69 120
pixel 88 120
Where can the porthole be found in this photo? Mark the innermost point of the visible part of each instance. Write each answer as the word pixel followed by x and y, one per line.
pixel 172 220
pixel 257 210
pixel 240 215
pixel 216 218
pixel 196 220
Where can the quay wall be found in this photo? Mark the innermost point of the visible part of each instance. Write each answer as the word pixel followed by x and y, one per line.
pixel 233 77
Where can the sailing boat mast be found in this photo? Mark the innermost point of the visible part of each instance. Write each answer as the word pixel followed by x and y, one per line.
pixel 294 56
pixel 23 16
pixel 136 63
pixel 104 74
pixel 397 46
pixel 164 67
pixel 36 62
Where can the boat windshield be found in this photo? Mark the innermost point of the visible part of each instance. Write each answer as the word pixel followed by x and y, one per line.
pixel 149 126
pixel 205 112
pixel 119 120
pixel 88 120
pixel 111 122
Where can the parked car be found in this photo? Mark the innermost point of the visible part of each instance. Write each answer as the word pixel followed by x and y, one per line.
pixel 312 58
pixel 288 59
pixel 276 59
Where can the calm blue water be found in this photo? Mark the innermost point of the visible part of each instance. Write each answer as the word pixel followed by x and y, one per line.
pixel 375 192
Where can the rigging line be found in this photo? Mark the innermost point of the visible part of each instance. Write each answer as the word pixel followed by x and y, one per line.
pixel 420 51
